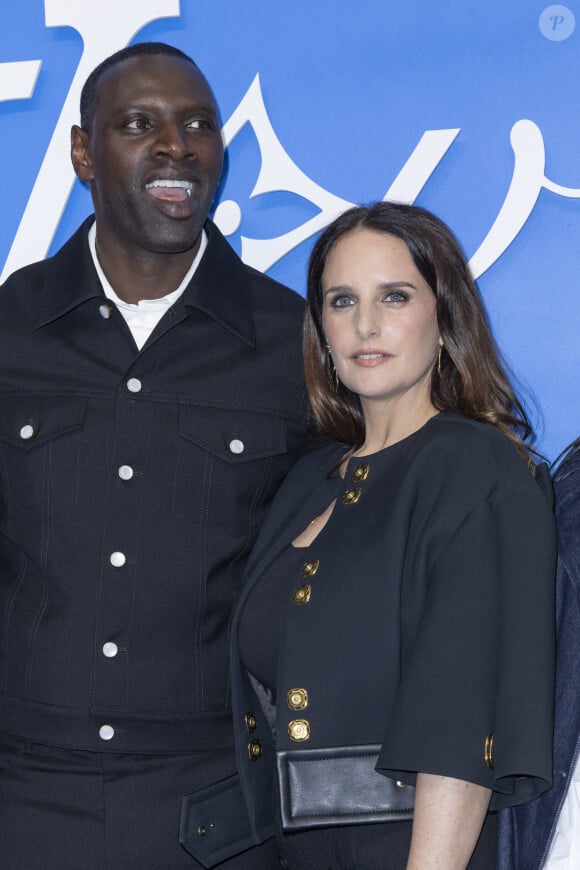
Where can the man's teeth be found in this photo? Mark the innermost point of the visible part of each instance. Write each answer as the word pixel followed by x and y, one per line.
pixel 171 182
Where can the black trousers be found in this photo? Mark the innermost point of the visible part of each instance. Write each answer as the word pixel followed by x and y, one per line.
pixel 73 810
pixel 369 847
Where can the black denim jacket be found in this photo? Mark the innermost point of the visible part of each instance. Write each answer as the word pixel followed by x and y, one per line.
pixel 132 485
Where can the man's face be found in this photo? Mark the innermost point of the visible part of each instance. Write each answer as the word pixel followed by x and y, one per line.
pixel 153 155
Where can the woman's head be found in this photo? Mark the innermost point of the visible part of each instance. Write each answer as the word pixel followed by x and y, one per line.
pixel 408 243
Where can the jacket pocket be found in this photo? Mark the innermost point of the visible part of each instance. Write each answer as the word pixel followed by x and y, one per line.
pixel 235 437
pixel 229 465
pixel 29 422
pixel 38 457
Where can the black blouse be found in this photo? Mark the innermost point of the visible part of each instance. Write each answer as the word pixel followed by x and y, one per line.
pixel 261 618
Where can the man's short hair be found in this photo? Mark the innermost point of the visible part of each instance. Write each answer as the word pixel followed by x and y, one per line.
pixel 89 91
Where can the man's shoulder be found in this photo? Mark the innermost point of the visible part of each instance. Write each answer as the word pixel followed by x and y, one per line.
pixel 22 296
pixel 269 297
pixel 267 288
pixel 32 277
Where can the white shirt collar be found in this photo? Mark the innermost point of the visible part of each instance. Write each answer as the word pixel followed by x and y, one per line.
pixel 165 301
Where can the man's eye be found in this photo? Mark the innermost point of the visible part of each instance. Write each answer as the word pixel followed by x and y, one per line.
pixel 138 124
pixel 199 124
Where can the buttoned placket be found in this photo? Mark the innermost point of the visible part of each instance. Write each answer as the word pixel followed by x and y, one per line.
pixel 298 699
pixel 120 554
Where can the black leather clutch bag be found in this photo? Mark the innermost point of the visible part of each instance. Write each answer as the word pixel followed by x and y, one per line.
pixel 338 786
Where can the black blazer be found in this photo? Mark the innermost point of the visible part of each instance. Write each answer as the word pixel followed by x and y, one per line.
pixel 420 628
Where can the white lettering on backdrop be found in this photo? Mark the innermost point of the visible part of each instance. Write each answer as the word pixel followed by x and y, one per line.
pixel 115 25
pixel 18 80
pixel 278 172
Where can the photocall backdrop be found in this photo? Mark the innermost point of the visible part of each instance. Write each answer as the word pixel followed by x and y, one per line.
pixel 470 110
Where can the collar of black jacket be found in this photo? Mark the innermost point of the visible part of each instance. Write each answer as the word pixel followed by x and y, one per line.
pixel 220 287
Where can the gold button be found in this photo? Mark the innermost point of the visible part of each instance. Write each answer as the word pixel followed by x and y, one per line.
pixel 299 729
pixel 250 721
pixel 399 783
pixel 361 472
pixel 309 569
pixel 254 749
pixel 201 831
pixel 351 496
pixel 302 595
pixel 488 751
pixel 297 699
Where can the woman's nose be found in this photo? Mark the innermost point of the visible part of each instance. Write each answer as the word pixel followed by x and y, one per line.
pixel 366 322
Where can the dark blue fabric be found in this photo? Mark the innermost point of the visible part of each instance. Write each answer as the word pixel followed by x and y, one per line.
pixel 525 832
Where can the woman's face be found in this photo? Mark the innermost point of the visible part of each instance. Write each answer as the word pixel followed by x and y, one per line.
pixel 379 318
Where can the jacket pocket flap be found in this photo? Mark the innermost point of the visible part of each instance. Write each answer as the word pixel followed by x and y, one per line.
pixel 29 421
pixel 214 823
pixel 234 436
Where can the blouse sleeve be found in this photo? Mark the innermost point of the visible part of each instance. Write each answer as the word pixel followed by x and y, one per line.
pixel 476 692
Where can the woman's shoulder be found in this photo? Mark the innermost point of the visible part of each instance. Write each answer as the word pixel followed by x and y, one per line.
pixel 476 453
pixel 320 460
pixel 310 470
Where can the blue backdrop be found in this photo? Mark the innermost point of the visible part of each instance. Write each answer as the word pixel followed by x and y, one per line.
pixel 468 109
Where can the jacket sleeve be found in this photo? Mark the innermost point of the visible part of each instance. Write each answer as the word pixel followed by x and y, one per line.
pixel 476 693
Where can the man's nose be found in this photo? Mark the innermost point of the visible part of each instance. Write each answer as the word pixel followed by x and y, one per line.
pixel 173 139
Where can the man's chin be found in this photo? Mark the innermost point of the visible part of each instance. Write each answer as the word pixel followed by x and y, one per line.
pixel 180 239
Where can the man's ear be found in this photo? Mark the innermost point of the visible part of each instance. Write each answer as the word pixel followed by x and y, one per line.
pixel 80 153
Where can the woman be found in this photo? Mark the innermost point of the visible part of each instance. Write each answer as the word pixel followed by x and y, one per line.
pixel 395 628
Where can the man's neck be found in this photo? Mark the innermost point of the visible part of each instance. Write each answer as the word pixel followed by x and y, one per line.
pixel 143 275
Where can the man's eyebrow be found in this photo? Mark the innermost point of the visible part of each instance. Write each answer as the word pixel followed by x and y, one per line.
pixel 147 106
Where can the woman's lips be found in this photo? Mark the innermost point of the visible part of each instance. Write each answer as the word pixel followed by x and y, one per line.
pixel 371 358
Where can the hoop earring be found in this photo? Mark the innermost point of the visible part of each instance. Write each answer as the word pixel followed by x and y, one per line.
pixel 439 359
pixel 331 370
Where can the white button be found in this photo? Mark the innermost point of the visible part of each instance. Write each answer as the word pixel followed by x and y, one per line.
pixel 110 649
pixel 117 559
pixel 105 311
pixel 125 472
pixel 134 385
pixel 27 432
pixel 236 446
pixel 106 732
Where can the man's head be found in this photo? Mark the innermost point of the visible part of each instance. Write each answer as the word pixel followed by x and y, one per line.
pixel 141 49
pixel 150 147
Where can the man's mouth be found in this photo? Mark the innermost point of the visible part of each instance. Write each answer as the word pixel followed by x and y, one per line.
pixel 170 189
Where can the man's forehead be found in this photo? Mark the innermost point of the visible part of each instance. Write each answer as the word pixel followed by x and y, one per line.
pixel 152 75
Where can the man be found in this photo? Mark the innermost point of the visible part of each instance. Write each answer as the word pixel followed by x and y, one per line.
pixel 150 404
pixel 546 832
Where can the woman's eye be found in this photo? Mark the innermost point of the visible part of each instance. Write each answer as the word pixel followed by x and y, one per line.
pixel 341 301
pixel 396 296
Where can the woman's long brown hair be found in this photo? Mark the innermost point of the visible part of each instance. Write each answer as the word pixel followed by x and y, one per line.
pixel 472 380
